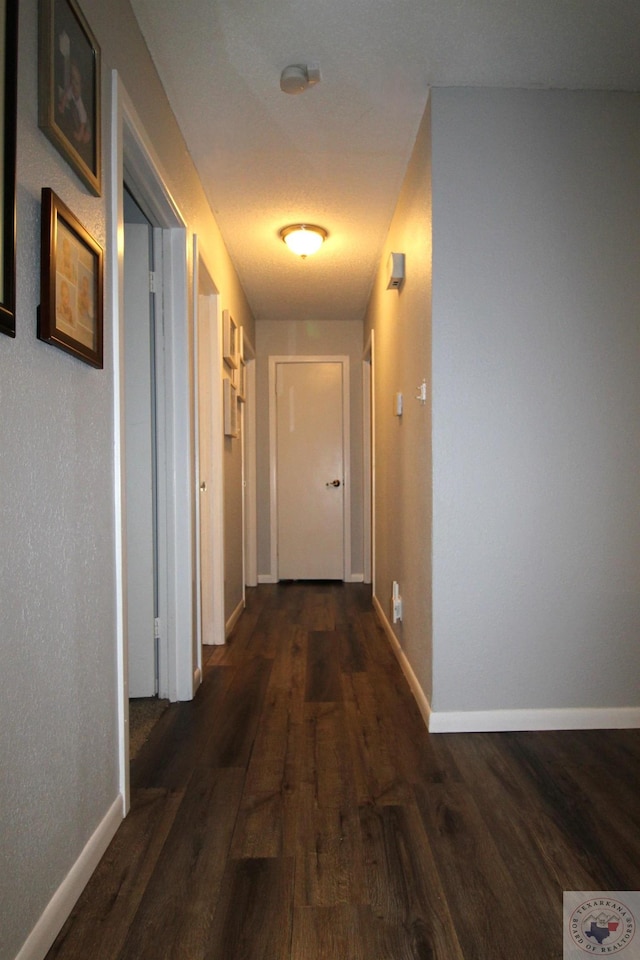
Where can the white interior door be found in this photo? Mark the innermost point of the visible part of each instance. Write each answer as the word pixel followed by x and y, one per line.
pixel 139 459
pixel 310 470
pixel 206 374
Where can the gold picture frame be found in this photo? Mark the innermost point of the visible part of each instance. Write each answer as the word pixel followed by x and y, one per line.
pixel 229 339
pixel 230 408
pixel 69 111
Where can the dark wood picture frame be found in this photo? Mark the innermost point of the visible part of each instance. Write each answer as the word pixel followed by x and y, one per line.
pixel 8 99
pixel 71 283
pixel 69 88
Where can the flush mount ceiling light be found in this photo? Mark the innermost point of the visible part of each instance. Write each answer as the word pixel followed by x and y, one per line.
pixel 303 239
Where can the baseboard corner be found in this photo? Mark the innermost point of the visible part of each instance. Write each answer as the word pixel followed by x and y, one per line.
pixel 233 619
pixel 419 695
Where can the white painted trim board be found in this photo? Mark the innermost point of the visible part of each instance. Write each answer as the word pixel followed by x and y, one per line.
pixel 496 721
pixel 41 938
pixel 233 619
pixel 423 704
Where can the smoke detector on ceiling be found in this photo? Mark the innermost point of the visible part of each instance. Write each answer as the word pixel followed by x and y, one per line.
pixel 298 77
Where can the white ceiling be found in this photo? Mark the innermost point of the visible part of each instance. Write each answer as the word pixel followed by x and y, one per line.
pixel 336 155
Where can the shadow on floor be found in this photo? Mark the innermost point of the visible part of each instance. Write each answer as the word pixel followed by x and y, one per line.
pixel 144 713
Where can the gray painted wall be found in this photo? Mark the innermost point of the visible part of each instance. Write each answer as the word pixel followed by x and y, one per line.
pixel 536 399
pixel 58 707
pixel 402 344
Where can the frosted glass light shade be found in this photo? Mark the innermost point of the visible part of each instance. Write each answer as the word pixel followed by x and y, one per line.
pixel 303 239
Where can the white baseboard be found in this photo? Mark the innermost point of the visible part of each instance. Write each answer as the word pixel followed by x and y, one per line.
pixel 485 721
pixel 351 578
pixel 494 721
pixel 407 669
pixel 233 619
pixel 39 941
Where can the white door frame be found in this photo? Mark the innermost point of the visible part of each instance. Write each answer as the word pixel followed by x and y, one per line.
pixel 249 443
pixel 369 461
pixel 216 494
pixel 133 158
pixel 273 466
pixel 140 391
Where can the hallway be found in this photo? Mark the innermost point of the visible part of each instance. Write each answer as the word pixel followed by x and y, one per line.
pixel 297 808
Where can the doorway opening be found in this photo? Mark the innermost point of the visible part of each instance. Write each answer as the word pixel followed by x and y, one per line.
pixel 141 318
pixel 176 657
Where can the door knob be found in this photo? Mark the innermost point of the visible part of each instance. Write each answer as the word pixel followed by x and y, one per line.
pixel 333 483
pixel 203 486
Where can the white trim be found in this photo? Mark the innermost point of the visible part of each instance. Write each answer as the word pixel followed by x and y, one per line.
pixel 179 447
pixel 208 289
pixel 366 468
pixel 370 463
pixel 41 938
pixel 133 158
pixel 355 578
pixel 235 616
pixel 417 691
pixel 346 453
pixel 162 533
pixel 251 482
pixel 493 721
pixel 346 427
pixel 217 498
pixel 197 673
pixel 484 721
pixel 267 578
pixel 273 478
pixel 116 251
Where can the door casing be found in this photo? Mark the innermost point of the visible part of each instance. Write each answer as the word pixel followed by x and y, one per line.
pixel 208 323
pixel 133 159
pixel 140 444
pixel 273 472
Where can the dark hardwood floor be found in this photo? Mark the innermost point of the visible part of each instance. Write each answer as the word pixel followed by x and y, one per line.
pixel 297 809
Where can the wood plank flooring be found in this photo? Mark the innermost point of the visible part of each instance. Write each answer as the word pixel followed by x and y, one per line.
pixel 297 809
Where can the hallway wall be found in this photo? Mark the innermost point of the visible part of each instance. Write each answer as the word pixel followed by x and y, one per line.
pixel 536 405
pixel 58 687
pixel 331 337
pixel 534 486
pixel 401 321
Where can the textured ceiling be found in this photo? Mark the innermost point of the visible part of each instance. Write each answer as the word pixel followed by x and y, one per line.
pixel 336 155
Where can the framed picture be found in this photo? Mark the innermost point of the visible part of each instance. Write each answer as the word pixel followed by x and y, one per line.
pixel 230 408
pixel 242 382
pixel 69 88
pixel 70 312
pixel 229 339
pixel 8 93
